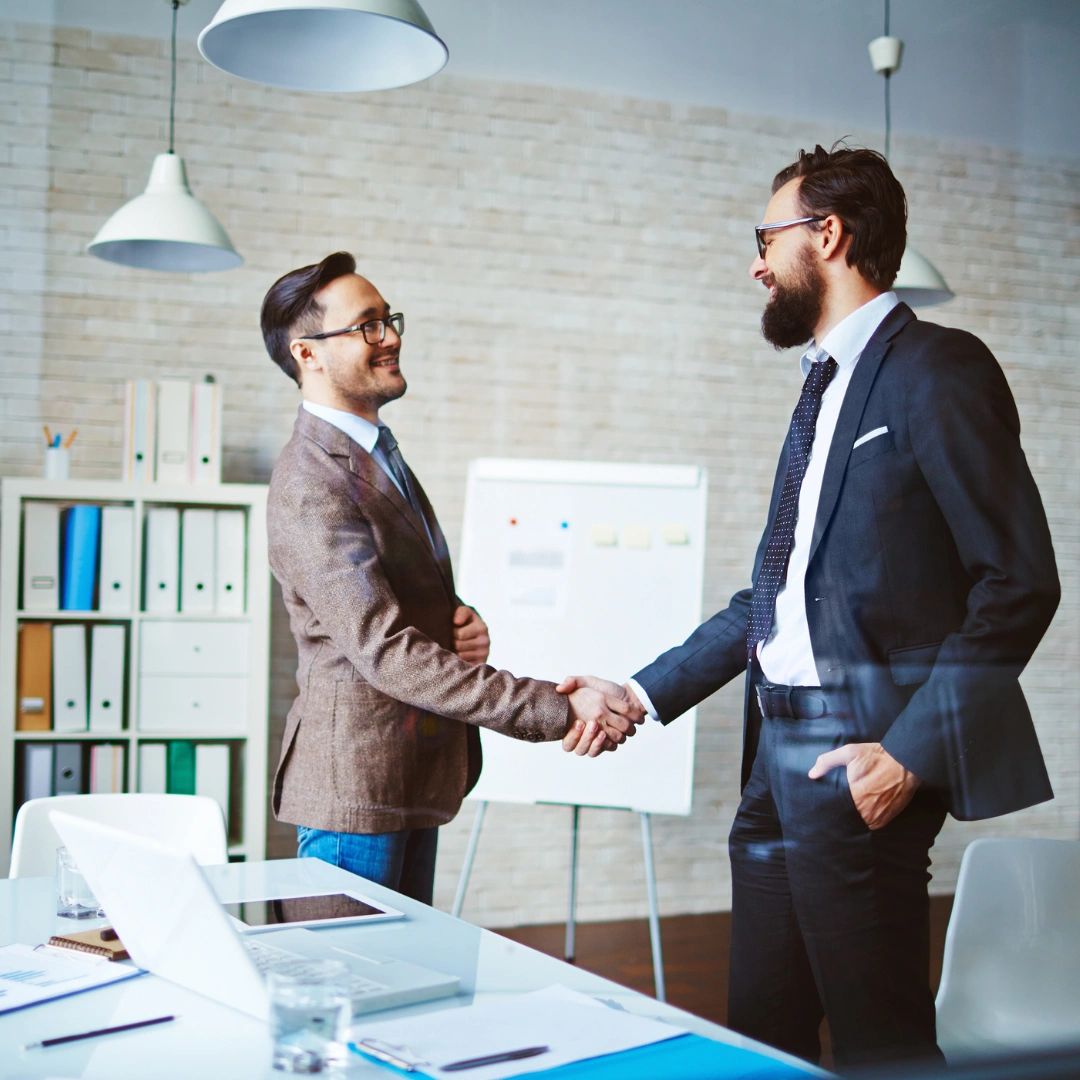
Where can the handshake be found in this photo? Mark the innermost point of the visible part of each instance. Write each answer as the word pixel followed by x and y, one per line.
pixel 602 714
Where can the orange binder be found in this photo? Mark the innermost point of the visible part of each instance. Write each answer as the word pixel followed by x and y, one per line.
pixel 33 705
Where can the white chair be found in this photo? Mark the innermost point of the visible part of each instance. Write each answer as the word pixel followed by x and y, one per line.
pixel 1010 978
pixel 192 822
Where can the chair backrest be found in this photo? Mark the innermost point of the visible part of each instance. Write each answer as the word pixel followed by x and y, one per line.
pixel 194 823
pixel 1011 972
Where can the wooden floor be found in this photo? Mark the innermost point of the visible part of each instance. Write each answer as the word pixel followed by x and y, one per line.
pixel 695 954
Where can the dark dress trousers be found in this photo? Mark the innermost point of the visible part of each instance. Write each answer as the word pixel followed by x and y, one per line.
pixel 931 580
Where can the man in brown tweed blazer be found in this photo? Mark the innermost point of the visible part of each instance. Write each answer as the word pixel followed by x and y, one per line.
pixel 381 744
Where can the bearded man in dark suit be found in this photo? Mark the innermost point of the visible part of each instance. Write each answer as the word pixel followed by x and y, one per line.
pixel 903 580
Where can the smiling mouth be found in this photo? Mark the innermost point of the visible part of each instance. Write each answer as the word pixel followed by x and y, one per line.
pixel 390 362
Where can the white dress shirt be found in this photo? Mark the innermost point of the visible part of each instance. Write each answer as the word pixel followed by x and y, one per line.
pixel 362 432
pixel 787 656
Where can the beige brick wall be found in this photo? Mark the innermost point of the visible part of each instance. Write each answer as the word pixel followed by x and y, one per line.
pixel 573 269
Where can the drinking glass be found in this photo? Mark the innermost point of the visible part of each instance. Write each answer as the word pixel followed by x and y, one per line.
pixel 310 1013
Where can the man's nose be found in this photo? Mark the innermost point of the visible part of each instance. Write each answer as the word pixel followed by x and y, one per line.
pixel 757 269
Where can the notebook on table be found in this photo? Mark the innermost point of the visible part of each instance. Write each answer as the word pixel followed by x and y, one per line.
pixel 172 923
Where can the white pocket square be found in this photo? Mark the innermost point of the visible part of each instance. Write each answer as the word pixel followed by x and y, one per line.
pixel 868 436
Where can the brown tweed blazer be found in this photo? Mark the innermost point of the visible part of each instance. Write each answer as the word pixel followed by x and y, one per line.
pixel 382 733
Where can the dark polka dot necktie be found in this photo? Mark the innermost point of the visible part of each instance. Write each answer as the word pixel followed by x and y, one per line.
pixel 773 571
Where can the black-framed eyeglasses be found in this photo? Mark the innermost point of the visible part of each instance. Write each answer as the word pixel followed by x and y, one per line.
pixel 759 229
pixel 374 330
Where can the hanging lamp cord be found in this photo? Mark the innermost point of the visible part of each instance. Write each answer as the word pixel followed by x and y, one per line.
pixel 172 87
pixel 888 106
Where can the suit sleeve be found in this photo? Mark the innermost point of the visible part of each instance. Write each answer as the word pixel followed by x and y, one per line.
pixel 967 727
pixel 334 565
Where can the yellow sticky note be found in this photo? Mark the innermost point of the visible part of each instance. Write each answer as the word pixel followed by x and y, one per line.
pixel 637 536
pixel 675 534
pixel 603 535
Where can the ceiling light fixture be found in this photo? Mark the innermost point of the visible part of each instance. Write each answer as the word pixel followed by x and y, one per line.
pixel 166 227
pixel 919 282
pixel 329 45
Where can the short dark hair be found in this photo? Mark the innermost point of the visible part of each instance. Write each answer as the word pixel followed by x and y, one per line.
pixel 290 308
pixel 859 187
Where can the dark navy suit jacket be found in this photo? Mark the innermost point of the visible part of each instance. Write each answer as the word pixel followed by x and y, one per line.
pixel 931 576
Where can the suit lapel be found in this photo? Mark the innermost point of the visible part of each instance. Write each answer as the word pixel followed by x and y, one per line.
pixel 847 423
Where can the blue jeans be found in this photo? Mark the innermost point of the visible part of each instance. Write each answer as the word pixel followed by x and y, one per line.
pixel 404 861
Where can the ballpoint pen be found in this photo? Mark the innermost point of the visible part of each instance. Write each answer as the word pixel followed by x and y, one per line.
pixel 99 1031
pixel 71 438
pixel 494 1059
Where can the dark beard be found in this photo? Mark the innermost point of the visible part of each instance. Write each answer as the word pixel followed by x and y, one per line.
pixel 790 316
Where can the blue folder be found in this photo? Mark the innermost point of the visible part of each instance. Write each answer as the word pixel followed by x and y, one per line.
pixel 688 1057
pixel 82 533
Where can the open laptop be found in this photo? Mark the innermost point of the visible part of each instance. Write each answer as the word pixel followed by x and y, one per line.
pixel 171 922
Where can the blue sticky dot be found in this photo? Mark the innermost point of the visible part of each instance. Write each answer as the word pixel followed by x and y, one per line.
pixel 565 525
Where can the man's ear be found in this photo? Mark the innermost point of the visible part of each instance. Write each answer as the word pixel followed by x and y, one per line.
pixel 832 238
pixel 305 356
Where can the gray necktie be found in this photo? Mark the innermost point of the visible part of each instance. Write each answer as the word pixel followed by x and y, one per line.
pixel 388 444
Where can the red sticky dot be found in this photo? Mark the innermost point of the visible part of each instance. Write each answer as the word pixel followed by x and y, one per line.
pixel 513 521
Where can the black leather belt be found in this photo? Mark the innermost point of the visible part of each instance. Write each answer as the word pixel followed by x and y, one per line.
pixel 793 702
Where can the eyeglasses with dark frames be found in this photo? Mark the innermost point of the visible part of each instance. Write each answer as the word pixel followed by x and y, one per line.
pixel 374 330
pixel 759 229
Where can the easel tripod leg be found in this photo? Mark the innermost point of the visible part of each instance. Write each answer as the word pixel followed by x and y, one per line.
pixel 568 951
pixel 654 914
pixel 470 854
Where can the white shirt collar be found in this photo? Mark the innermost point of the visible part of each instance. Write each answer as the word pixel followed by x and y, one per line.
pixel 847 339
pixel 361 431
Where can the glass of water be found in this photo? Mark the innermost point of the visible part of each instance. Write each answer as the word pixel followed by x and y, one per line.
pixel 74 900
pixel 310 1013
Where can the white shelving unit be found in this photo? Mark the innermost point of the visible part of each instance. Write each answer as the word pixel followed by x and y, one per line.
pixel 246 666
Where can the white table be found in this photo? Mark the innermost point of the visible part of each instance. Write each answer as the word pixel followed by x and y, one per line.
pixel 209 1041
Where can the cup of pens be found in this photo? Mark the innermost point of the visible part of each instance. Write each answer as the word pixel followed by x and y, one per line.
pixel 58 454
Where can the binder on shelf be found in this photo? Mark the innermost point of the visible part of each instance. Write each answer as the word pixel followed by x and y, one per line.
pixel 69 677
pixel 37 771
pixel 197 561
pixel 181 768
pixel 82 530
pixel 140 425
pixel 106 768
pixel 68 768
pixel 230 561
pixel 107 651
pixel 41 556
pixel 33 705
pixel 116 592
pixel 212 773
pixel 162 559
pixel 173 431
pixel 152 768
pixel 206 433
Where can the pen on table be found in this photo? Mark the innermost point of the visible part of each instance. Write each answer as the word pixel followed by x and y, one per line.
pixel 494 1059
pixel 71 438
pixel 100 1031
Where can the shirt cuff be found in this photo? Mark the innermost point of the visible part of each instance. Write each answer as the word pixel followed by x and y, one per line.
pixel 643 698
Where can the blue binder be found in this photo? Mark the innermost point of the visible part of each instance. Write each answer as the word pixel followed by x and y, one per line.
pixel 82 533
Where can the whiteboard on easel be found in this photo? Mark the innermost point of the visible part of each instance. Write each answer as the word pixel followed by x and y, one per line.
pixel 586 568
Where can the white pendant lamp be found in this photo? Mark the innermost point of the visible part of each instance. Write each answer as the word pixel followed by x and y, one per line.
pixel 918 282
pixel 329 45
pixel 166 227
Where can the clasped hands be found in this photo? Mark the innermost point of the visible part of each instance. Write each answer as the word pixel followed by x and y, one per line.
pixel 603 714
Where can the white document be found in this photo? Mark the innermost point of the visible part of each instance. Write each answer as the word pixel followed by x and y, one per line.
pixel 31 975
pixel 230 561
pixel 212 773
pixel 197 561
pixel 69 677
pixel 573 1026
pixel 37 771
pixel 152 768
pixel 140 425
pixel 206 433
pixel 116 592
pixel 162 558
pixel 173 431
pixel 107 678
pixel 41 556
